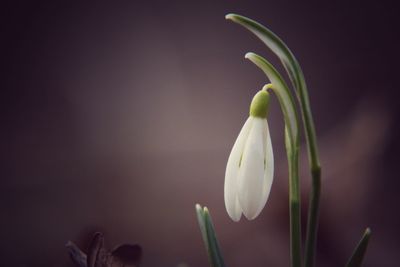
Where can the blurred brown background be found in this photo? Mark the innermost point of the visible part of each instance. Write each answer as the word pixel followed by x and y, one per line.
pixel 119 117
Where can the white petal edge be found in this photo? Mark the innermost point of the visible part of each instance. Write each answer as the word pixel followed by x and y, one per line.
pixel 251 172
pixel 232 168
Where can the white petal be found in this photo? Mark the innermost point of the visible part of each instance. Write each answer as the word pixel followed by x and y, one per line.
pixel 251 172
pixel 268 167
pixel 232 168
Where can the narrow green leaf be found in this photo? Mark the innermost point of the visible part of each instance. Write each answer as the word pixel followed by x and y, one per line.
pixel 275 44
pixel 209 237
pixel 213 238
pixel 202 225
pixel 359 252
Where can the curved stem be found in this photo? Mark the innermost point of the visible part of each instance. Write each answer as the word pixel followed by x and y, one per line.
pixel 292 149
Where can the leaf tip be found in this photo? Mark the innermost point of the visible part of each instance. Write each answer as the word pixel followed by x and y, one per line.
pixel 230 16
pixel 199 211
pixel 205 209
pixel 368 231
pixel 253 57
pixel 249 55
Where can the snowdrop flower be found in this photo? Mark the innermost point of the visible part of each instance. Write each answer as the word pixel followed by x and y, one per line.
pixel 250 167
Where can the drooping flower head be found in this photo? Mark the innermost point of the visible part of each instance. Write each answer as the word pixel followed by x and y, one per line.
pixel 250 167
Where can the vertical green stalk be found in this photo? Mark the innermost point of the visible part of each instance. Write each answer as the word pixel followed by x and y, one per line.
pixel 312 220
pixel 296 76
pixel 294 206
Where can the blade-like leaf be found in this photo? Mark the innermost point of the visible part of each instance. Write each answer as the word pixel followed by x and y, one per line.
pixel 275 44
pixel 359 252
pixel 209 237
pixel 212 238
pixel 202 225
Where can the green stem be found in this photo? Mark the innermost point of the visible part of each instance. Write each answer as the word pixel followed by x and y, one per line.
pixel 312 220
pixel 315 167
pixel 292 143
pixel 295 214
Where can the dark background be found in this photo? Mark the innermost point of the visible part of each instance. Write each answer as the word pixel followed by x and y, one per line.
pixel 119 117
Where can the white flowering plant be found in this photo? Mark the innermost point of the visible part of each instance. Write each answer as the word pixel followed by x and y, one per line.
pixel 250 167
